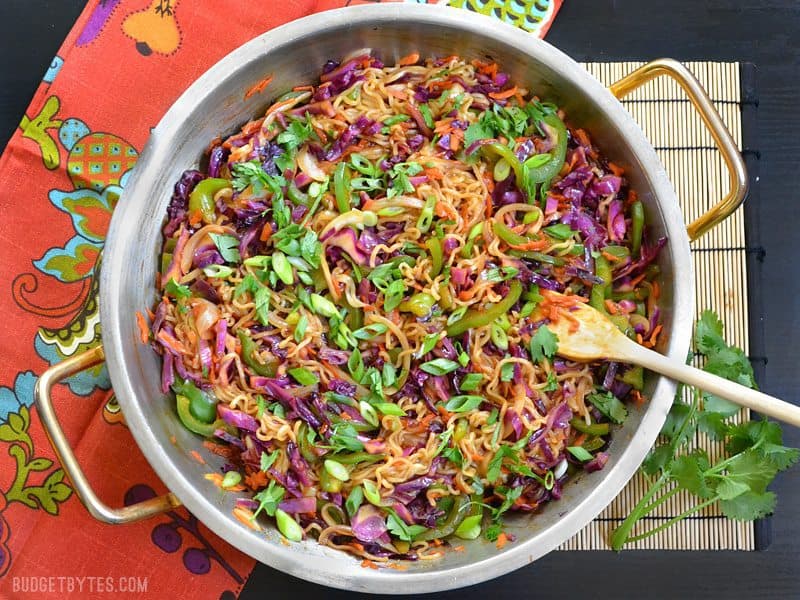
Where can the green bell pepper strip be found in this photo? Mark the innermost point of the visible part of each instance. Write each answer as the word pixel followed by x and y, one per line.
pixel 593 429
pixel 328 482
pixel 637 227
pixel 202 198
pixel 617 251
pixel 195 425
pixel 202 405
pixel 592 444
pixel 341 187
pixel 303 444
pixel 419 304
pixel 478 317
pixel 539 257
pixel 357 457
pixel 634 377
pixel 166 261
pixel 545 172
pixel 434 246
pixel 249 348
pixel 451 520
pixel 296 195
pixel 602 269
pixel 507 154
pixel 509 236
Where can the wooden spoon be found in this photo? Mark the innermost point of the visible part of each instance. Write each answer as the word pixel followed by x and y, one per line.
pixel 598 338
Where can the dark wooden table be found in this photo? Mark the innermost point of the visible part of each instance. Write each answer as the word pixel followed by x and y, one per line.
pixel 764 32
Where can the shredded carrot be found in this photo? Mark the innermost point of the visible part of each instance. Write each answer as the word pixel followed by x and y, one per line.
pixel 616 169
pixel 256 480
pixel 279 105
pixel 579 440
pixel 639 339
pixel 637 397
pixel 656 290
pixel 397 567
pixel 504 94
pixel 368 564
pixel 532 245
pixel 303 88
pixel 654 335
pixel 637 280
pixel 433 173
pixel 611 306
pixel 410 59
pixel 170 340
pixel 173 440
pixel 214 478
pixel 502 540
pixel 258 87
pixel 144 330
pixel 245 517
pixel 266 231
pixel 219 449
pixel 609 257
pixel 196 455
pixel 195 217
pixel 458 548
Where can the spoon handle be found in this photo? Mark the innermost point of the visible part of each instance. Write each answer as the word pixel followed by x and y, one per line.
pixel 738 394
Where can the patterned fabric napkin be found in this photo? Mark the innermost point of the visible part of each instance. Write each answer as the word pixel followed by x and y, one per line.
pixel 120 68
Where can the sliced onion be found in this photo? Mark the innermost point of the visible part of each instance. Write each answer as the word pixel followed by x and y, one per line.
pixel 200 237
pixel 308 165
pixel 206 315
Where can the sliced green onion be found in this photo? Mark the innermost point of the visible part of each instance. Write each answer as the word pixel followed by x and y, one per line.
pixel 290 528
pixel 470 527
pixel 426 216
pixel 282 267
pixel 337 470
pixel 217 271
pixel 499 337
pixel 354 500
pixel 463 403
pixel 323 306
pixel 304 376
pixel 501 170
pixel 580 453
pixel 471 382
pixel 231 479
pixel 371 492
pixel 368 412
pixel 439 366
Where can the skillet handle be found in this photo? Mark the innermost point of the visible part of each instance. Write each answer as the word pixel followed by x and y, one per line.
pixel 703 104
pixel 98 509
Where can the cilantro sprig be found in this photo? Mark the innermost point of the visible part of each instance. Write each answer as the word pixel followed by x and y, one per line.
pixel 737 482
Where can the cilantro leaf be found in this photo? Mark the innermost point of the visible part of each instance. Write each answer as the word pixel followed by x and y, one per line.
pixel 228 247
pixel 267 460
pixel 689 472
pixel 610 406
pixel 269 498
pixel 708 333
pixel 493 532
pixel 261 300
pixel 749 506
pixel 400 529
pixel 176 290
pixel 543 343
pixel 295 134
pixel 477 131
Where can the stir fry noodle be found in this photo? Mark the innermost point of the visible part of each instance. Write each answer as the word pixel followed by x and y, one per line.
pixel 355 294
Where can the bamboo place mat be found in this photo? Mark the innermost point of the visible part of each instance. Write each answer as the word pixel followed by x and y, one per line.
pixel 698 174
